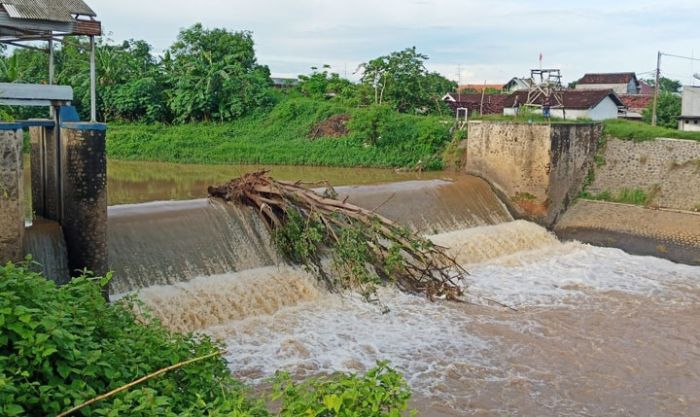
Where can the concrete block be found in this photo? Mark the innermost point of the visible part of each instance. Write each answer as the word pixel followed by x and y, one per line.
pixel 11 194
pixel 84 187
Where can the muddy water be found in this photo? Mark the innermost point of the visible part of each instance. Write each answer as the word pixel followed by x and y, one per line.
pixel 169 242
pixel 597 331
pixel 131 182
pixel 139 182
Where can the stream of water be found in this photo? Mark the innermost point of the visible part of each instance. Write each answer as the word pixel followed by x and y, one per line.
pixel 597 332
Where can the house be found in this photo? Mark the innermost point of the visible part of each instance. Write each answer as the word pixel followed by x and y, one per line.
pixel 646 89
pixel 620 83
pixel 517 84
pixel 578 104
pixel 476 103
pixel 635 104
pixel 690 110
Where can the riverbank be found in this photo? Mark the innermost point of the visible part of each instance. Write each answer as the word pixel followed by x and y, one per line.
pixel 669 234
pixel 297 131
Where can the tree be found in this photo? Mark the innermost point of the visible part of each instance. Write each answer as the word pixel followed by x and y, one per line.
pixel 215 75
pixel 321 84
pixel 667 85
pixel 668 110
pixel 402 80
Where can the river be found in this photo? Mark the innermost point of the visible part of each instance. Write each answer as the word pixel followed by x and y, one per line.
pixel 597 332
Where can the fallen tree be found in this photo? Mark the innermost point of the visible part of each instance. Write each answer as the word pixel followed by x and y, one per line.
pixel 365 248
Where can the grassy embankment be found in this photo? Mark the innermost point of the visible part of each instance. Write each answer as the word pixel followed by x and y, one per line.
pixel 60 347
pixel 640 132
pixel 376 137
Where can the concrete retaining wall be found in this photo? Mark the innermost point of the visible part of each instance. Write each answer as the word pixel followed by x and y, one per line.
pixel 669 166
pixel 670 234
pixel 11 194
pixel 538 168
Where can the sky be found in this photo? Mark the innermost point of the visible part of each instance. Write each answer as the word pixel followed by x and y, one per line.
pixel 467 41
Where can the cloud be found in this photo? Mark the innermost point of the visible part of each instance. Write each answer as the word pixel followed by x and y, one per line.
pixel 488 40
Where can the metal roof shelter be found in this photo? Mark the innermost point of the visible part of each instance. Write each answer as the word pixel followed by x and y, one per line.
pixel 24 21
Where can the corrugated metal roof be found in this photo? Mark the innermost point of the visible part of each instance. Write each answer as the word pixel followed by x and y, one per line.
pixel 49 10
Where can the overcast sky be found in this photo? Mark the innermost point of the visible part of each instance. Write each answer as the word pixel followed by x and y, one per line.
pixel 489 41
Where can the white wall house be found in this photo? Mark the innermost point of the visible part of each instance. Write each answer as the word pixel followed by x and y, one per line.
pixel 583 104
pixel 690 110
pixel 517 84
pixel 620 83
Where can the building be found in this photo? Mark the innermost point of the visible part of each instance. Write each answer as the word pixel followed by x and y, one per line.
pixel 517 84
pixel 620 83
pixel 646 89
pixel 476 103
pixel 690 110
pixel 635 104
pixel 578 104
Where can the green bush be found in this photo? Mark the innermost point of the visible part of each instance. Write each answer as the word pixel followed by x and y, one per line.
pixel 378 137
pixel 60 347
pixel 382 392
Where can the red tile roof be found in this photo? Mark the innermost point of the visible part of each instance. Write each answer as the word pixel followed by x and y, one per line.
pixel 636 101
pixel 572 99
pixel 493 103
pixel 480 87
pixel 609 78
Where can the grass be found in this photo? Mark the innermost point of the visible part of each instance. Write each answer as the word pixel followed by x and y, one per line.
pixel 636 196
pixel 533 118
pixel 378 137
pixel 640 132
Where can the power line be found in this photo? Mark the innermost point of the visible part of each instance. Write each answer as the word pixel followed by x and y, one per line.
pixel 689 58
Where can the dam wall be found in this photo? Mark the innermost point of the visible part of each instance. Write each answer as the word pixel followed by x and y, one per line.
pixel 11 193
pixel 164 243
pixel 538 169
pixel 667 170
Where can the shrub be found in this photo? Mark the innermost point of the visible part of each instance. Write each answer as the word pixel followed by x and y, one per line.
pixel 60 347
pixel 382 392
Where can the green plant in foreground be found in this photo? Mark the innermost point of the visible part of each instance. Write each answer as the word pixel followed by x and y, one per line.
pixel 60 347
pixel 382 392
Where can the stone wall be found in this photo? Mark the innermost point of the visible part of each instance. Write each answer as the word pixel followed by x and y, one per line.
pixel 11 194
pixel 538 169
pixel 670 234
pixel 667 169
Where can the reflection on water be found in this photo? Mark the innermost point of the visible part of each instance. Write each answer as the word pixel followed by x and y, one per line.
pixel 130 182
pixel 138 182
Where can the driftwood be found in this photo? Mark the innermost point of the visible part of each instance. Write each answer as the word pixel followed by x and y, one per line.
pixel 390 252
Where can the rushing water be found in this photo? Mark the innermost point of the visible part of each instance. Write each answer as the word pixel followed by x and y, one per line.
pixel 597 331
pixel 169 242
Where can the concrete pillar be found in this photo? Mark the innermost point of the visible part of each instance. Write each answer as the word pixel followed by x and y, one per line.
pixel 84 186
pixel 45 160
pixel 11 193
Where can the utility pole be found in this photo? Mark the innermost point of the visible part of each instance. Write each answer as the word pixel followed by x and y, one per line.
pixel 657 87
